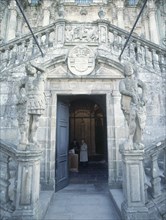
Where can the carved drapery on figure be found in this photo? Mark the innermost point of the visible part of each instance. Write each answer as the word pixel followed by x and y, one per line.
pixel 133 106
pixel 31 103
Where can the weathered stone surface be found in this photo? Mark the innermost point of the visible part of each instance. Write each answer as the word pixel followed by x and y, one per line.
pixel 103 31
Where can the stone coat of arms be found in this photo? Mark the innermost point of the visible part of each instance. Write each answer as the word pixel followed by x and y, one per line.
pixel 81 60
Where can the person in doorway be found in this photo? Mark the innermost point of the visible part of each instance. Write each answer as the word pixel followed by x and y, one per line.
pixel 75 145
pixel 84 153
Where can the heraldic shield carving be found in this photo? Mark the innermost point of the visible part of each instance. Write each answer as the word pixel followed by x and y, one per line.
pixel 81 60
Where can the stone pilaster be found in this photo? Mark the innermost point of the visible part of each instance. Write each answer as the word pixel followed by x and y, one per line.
pixel 116 132
pixel 120 7
pixel 60 32
pixel 46 13
pixel 103 32
pixel 152 22
pixel 28 177
pixel 134 190
pixel 12 21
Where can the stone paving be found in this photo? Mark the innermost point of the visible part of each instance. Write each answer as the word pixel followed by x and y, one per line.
pixel 85 198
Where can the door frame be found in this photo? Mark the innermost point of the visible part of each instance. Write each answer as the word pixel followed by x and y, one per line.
pixel 116 128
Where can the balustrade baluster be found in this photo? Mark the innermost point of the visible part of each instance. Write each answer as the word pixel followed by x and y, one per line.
pixel 51 38
pixel 155 58
pixel 29 51
pixel 163 63
pixel 156 180
pixel 132 51
pixel 140 53
pixel 165 163
pixel 25 45
pixel 4 179
pixel 148 56
pixel 145 188
pixel 111 39
pixel 10 51
pixel 47 39
pixel 35 49
pixel 115 43
pixel 21 52
pixel 2 59
pixel 43 40
pixel 39 39
pixel 14 54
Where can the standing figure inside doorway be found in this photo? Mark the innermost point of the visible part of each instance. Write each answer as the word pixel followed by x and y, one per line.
pixel 75 145
pixel 133 102
pixel 83 153
pixel 31 96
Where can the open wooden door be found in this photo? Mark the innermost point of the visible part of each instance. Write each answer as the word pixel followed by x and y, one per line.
pixel 61 175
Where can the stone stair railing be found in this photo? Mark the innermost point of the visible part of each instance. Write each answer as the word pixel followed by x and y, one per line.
pixel 101 32
pixel 7 179
pixel 144 184
pixel 155 169
pixel 19 182
pixel 155 177
pixel 144 52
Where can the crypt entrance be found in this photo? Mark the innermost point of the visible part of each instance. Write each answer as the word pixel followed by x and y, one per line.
pixel 83 117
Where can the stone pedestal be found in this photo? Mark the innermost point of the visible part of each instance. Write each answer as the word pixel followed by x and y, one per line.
pixel 27 196
pixel 133 208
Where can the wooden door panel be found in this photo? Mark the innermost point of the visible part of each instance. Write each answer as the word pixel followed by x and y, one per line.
pixel 62 146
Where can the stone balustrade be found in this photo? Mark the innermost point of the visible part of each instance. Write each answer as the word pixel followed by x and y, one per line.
pixel 7 201
pixel 24 168
pixel 101 32
pixel 143 196
pixel 146 53
pixel 156 168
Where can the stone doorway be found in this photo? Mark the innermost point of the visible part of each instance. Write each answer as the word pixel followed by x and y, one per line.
pixel 87 119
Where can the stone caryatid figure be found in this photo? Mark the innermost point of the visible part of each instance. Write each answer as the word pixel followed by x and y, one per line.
pixel 31 102
pixel 133 100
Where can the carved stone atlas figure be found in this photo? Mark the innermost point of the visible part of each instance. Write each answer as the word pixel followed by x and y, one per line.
pixel 133 100
pixel 31 102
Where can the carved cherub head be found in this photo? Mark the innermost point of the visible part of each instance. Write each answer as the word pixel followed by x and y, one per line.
pixel 128 69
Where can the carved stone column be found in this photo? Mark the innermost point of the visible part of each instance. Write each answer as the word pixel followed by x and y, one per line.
pixel 27 196
pixel 12 21
pixel 134 190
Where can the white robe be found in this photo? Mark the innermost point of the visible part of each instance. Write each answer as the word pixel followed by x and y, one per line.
pixel 84 153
